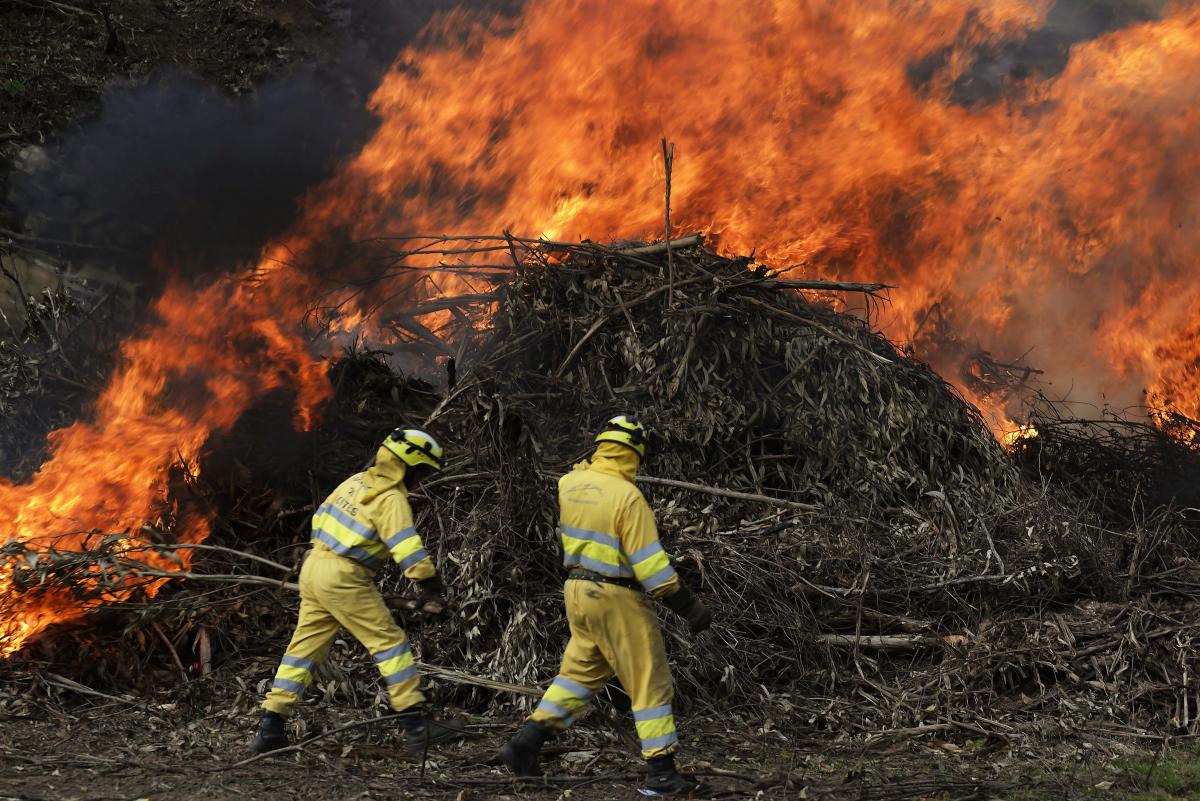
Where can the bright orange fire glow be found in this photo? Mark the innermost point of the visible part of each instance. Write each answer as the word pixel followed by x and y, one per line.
pixel 1056 217
pixel 196 368
pixel 1058 220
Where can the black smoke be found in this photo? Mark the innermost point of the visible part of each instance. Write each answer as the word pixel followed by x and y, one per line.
pixel 176 176
pixel 1038 55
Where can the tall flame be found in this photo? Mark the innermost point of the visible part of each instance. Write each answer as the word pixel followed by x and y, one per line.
pixel 1057 219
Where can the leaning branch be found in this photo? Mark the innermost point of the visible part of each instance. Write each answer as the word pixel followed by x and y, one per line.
pixel 726 493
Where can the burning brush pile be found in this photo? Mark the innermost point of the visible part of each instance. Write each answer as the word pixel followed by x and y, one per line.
pixel 870 551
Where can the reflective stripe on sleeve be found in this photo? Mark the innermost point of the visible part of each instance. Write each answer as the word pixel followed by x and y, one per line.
pixel 413 558
pixel 658 579
pixel 573 687
pixel 556 710
pixel 407 548
pixel 643 554
pixel 652 566
pixel 399 537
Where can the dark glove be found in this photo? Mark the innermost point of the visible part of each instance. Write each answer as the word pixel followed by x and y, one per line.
pixel 431 594
pixel 684 604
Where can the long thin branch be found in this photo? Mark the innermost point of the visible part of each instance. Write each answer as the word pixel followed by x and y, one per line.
pixel 217 549
pixel 887 642
pixel 661 247
pixel 827 286
pixel 141 570
pixel 726 493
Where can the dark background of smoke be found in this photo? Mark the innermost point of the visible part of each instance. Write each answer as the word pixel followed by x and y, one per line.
pixel 1040 54
pixel 176 176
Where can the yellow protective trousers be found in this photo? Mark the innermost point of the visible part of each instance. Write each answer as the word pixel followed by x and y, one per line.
pixel 613 630
pixel 334 592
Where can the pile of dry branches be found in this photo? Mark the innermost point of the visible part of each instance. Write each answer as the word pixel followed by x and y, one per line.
pixel 859 530
pixel 874 558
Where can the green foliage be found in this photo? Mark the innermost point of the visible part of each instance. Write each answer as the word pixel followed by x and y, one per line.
pixel 1174 775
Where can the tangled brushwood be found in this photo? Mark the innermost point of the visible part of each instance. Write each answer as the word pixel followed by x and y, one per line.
pixel 875 559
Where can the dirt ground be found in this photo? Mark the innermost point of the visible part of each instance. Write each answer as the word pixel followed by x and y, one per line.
pixel 66 741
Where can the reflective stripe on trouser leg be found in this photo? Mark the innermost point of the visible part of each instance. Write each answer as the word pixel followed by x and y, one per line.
pixel 584 670
pixel 565 700
pixel 315 630
pixel 626 631
pixel 350 594
pixel 399 672
pixel 656 728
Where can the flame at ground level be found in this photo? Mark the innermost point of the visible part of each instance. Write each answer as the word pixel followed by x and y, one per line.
pixel 204 359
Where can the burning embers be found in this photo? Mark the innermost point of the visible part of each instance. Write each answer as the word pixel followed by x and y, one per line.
pixel 1056 218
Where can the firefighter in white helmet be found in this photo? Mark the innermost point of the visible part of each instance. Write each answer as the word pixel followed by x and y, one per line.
pixel 363 523
pixel 614 558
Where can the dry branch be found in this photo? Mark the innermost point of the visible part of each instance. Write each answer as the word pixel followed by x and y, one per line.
pixel 725 493
pixel 895 642
pixel 694 240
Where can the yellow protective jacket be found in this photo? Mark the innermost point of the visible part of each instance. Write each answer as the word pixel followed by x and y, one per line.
pixel 367 518
pixel 606 525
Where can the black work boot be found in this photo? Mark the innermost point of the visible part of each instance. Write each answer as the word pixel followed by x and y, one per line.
pixel 270 735
pixel 661 777
pixel 424 733
pixel 522 751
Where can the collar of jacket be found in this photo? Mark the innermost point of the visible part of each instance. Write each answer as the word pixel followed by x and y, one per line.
pixel 614 459
pixel 386 474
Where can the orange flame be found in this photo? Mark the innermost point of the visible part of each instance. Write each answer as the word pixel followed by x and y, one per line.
pixel 197 367
pixel 1058 218
pixel 1057 221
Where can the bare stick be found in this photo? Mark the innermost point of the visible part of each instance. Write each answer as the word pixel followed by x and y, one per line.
pixel 658 247
pixel 726 493
pixel 893 642
pixel 215 548
pixel 458 677
pixel 64 683
pixel 827 286
pixel 142 571
pixel 668 161
pixel 171 648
